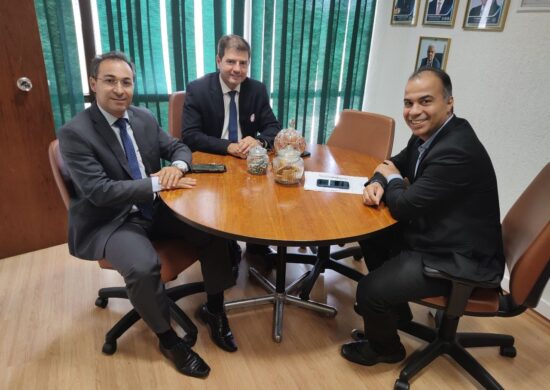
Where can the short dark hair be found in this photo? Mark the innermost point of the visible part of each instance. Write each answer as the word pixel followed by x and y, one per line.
pixel 232 42
pixel 112 55
pixel 440 74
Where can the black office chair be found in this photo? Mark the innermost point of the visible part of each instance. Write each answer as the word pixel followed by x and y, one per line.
pixel 175 258
pixel 526 236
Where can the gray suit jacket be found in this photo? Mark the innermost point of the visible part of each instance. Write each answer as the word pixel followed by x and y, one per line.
pixel 104 189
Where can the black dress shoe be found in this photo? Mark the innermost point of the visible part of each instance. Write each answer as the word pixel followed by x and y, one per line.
pixel 362 353
pixel 261 252
pixel 219 329
pixel 186 360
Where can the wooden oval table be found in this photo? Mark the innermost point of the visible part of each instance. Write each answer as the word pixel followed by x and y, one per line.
pixel 245 207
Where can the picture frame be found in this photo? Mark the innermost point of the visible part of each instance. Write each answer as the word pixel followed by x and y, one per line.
pixel 405 12
pixel 486 15
pixel 440 52
pixel 534 6
pixel 442 16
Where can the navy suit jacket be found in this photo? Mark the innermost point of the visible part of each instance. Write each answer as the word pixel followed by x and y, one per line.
pixel 203 114
pixel 474 16
pixel 435 63
pixel 97 164
pixel 446 7
pixel 450 211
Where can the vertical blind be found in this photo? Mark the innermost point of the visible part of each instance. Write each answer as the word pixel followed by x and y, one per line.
pixel 312 54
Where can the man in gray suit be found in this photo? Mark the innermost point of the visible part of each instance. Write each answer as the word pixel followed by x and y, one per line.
pixel 113 152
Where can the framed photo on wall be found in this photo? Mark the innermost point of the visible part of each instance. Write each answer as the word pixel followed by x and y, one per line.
pixel 534 6
pixel 486 15
pixel 405 12
pixel 432 52
pixel 440 13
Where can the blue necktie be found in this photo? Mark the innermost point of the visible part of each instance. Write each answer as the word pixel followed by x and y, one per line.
pixel 146 208
pixel 233 127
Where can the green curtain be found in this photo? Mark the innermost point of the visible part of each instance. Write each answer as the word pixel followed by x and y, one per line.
pixel 319 55
pixel 57 33
pixel 311 54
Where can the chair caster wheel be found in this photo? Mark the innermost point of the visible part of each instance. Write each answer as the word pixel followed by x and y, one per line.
pixel 508 351
pixel 190 339
pixel 101 302
pixel 109 348
pixel 401 385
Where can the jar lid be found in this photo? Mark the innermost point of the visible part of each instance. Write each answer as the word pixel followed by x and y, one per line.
pixel 257 151
pixel 288 152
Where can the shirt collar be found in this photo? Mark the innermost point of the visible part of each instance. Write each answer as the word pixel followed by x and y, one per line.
pixel 426 144
pixel 225 88
pixel 111 119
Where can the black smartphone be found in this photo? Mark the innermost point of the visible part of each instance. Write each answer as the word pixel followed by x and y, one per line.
pixel 342 184
pixel 208 168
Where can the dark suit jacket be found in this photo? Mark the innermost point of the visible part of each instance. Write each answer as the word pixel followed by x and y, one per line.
pixel 450 211
pixel 105 191
pixel 203 114
pixel 435 63
pixel 446 7
pixel 474 15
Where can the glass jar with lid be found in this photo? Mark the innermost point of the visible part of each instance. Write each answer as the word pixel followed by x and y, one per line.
pixel 288 166
pixel 257 160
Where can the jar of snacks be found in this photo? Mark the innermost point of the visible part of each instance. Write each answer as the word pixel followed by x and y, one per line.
pixel 290 137
pixel 257 160
pixel 288 166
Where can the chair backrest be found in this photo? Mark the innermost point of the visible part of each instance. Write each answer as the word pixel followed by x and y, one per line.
pixel 526 236
pixel 60 173
pixel 364 132
pixel 175 113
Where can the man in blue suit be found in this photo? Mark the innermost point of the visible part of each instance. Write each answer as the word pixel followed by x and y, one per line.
pixel 445 7
pixel 488 12
pixel 226 112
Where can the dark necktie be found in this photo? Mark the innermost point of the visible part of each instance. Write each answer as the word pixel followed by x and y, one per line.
pixel 233 127
pixel 146 208
pixel 128 148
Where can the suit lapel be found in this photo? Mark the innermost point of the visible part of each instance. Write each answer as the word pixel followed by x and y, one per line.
pixel 216 96
pixel 106 132
pixel 139 129
pixel 444 131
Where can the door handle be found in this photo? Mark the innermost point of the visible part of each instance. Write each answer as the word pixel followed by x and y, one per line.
pixel 24 84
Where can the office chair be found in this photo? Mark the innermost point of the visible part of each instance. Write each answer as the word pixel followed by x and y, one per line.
pixel 363 132
pixel 175 113
pixel 367 133
pixel 526 237
pixel 174 255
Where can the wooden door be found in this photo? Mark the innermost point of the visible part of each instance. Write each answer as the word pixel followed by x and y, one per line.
pixel 32 215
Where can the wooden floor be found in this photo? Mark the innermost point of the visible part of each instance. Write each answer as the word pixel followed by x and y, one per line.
pixel 51 335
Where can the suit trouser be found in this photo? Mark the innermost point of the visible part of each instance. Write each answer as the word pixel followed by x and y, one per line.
pixel 395 277
pixel 130 251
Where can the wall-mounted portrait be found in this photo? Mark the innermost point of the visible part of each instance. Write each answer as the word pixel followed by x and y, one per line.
pixel 405 12
pixel 432 52
pixel 440 13
pixel 488 15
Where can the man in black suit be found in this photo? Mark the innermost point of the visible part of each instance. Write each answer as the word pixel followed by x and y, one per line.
pixel 226 112
pixel 113 152
pixel 448 218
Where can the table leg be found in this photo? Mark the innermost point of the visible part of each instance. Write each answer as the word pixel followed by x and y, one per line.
pixel 279 295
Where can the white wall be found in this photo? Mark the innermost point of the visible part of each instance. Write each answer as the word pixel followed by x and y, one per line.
pixel 501 85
